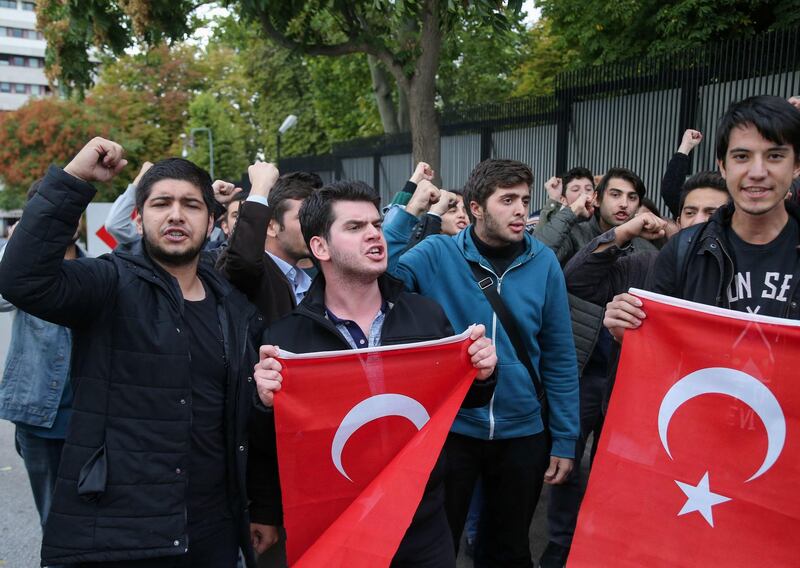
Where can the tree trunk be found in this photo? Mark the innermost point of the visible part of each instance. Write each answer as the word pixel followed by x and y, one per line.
pixel 423 118
pixel 403 121
pixel 382 87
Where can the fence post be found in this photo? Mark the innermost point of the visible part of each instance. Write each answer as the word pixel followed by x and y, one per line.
pixel 563 118
pixel 376 172
pixel 486 143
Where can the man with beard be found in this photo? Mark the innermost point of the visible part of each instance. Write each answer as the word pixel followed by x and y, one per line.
pixel 153 467
pixel 619 194
pixel 504 443
pixel 354 304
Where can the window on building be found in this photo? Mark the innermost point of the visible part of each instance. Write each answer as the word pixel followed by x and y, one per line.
pixel 5 87
pixel 18 61
pixel 20 89
pixel 11 4
pixel 16 32
pixel 29 6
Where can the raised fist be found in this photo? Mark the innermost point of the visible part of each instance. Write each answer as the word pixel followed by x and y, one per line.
pixel 224 191
pixel 422 172
pixel 426 195
pixel 553 188
pixel 263 176
pixel 691 138
pixel 100 160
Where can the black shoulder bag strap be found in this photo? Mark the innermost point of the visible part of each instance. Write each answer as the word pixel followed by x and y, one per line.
pixel 486 282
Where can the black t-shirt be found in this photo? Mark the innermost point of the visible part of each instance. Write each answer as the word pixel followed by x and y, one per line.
pixel 499 257
pixel 207 498
pixel 764 273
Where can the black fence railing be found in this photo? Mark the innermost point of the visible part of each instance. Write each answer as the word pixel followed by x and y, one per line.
pixel 630 114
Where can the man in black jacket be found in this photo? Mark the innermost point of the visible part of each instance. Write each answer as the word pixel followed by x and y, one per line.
pixel 354 304
pixel 746 257
pixel 153 468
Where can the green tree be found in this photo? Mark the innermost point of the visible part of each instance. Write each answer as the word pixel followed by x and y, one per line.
pixel 405 38
pixel 544 57
pixel 601 32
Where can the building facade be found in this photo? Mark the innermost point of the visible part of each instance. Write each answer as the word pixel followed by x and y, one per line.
pixel 21 55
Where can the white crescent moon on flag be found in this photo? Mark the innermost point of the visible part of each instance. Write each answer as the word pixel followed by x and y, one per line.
pixel 375 407
pixel 739 385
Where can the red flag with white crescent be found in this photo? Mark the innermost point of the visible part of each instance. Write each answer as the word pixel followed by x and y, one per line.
pixel 358 434
pixel 700 453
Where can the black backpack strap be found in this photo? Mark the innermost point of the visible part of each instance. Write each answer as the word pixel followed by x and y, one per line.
pixel 487 283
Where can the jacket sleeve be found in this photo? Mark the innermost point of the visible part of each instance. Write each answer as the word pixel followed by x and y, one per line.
pixel 558 366
pixel 430 224
pixel 242 262
pixel 556 233
pixel 118 221
pixel 34 275
pixel 674 176
pixel 5 305
pixel 397 231
pixel 596 277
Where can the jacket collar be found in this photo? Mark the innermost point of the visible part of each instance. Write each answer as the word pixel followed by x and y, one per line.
pixel 466 245
pixel 721 220
pixel 314 301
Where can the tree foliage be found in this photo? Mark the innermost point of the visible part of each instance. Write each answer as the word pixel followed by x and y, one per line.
pixel 42 132
pixel 602 32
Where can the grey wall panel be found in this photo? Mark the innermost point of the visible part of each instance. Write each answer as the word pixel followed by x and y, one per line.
pixel 715 99
pixel 639 132
pixel 326 175
pixel 359 169
pixel 394 172
pixel 459 155
pixel 535 146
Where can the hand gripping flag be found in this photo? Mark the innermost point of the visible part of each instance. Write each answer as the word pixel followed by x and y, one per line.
pixel 358 434
pixel 699 458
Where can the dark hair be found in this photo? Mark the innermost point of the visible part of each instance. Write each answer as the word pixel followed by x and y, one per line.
pixel 701 180
pixel 295 185
pixel 774 117
pixel 573 174
pixel 178 169
pixel 651 206
pixel 622 173
pixel 489 175
pixel 316 213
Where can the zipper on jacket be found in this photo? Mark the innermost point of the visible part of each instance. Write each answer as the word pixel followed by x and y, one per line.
pixel 730 280
pixel 494 340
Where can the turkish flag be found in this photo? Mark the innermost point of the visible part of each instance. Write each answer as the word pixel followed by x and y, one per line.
pixel 699 458
pixel 358 434
pixel 103 234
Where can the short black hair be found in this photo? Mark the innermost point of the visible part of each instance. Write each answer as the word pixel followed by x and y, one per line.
pixel 622 173
pixel 316 213
pixel 774 117
pixel 179 169
pixel 491 174
pixel 702 180
pixel 575 173
pixel 294 185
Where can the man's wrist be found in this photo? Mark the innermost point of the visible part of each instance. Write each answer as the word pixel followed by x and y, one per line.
pixel 257 198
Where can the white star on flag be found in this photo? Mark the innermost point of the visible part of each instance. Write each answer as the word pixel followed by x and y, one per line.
pixel 700 499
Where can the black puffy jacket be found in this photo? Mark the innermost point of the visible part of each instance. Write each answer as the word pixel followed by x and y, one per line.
pixel 698 264
pixel 121 487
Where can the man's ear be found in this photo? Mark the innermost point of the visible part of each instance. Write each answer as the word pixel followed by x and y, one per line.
pixel 721 166
pixel 476 210
pixel 138 220
pixel 273 228
pixel 318 247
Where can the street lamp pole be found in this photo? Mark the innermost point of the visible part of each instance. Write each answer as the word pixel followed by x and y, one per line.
pixel 288 122
pixel 185 152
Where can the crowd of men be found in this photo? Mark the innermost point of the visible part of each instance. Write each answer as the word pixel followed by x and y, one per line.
pixel 142 382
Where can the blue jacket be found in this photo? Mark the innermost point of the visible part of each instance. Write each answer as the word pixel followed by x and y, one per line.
pixel 36 377
pixel 533 289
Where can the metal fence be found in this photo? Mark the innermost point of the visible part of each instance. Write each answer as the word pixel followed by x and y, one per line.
pixel 630 114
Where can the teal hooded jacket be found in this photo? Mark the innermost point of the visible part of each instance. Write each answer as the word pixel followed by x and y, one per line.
pixel 533 289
